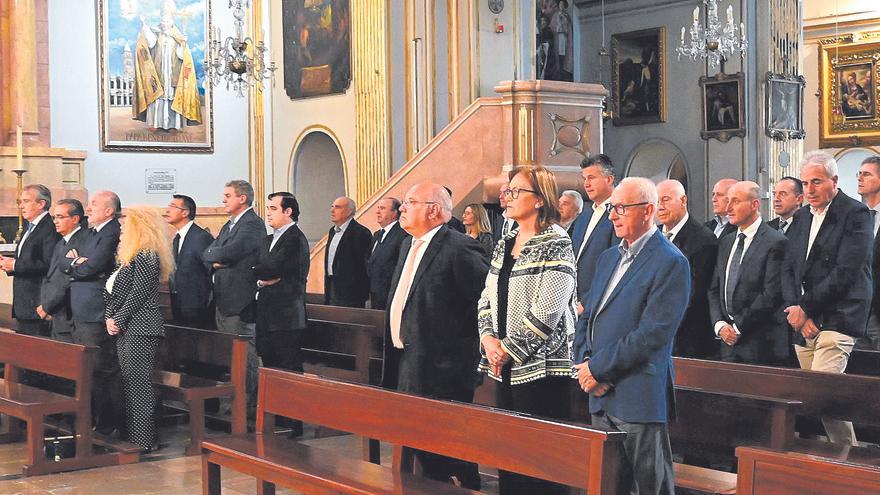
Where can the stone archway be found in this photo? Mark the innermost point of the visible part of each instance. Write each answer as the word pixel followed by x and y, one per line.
pixel 658 159
pixel 848 163
pixel 317 178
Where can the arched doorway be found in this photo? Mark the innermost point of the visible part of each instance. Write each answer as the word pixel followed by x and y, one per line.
pixel 848 163
pixel 317 178
pixel 658 159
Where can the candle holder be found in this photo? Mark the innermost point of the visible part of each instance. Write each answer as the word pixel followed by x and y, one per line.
pixel 19 186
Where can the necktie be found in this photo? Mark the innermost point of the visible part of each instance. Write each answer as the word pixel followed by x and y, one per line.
pixel 377 238
pixel 402 292
pixel 175 246
pixel 874 219
pixel 668 235
pixel 733 271
pixel 337 229
pixel 25 236
pixel 782 224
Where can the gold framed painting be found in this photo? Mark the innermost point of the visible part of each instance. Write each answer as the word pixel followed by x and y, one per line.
pixel 154 93
pixel 849 79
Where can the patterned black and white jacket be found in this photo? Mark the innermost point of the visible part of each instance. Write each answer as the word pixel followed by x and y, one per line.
pixel 134 301
pixel 541 307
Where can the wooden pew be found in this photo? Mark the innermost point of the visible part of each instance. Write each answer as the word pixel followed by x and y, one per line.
pixel 578 456
pixel 186 358
pixel 863 362
pixel 344 343
pixel 32 405
pixel 833 470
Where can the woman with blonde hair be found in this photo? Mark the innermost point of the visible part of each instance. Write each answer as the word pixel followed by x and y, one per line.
pixel 526 313
pixel 144 259
pixel 476 224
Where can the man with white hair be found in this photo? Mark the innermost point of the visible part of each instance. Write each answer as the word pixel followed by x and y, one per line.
pixel 345 257
pixel 571 204
pixel 637 302
pixel 700 246
pixel 827 275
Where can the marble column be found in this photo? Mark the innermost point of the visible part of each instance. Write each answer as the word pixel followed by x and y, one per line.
pixel 24 75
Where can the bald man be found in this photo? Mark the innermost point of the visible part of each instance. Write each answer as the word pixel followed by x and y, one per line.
pixel 431 346
pixel 345 257
pixel 746 294
pixel 719 224
pixel 698 244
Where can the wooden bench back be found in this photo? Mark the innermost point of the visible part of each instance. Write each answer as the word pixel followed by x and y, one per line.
pixel 851 397
pixel 864 362
pixel 574 455
pixel 201 352
pixel 61 359
pixel 343 342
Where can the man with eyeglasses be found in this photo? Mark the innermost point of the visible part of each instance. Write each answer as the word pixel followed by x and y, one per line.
pixel 501 225
pixel 31 261
pixel 431 346
pixel 639 295
pixel 54 306
pixel 699 245
pixel 190 284
pixel 869 189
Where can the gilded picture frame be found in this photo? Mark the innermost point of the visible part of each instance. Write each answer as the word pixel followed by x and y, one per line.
pixel 849 79
pixel 723 106
pixel 638 77
pixel 148 104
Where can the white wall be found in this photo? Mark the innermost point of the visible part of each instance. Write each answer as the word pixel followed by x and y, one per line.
pixel 74 87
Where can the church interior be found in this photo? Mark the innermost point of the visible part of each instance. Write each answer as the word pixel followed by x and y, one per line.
pixel 367 99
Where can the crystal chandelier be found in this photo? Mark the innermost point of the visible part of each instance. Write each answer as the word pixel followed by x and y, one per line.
pixel 239 61
pixel 714 41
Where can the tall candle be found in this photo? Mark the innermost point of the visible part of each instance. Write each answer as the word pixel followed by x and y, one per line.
pixel 682 35
pixel 19 153
pixel 696 14
pixel 730 14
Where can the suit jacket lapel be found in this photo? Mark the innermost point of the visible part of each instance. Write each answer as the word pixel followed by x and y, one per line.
pixel 603 276
pixel 641 260
pixel 828 225
pixel 398 269
pixel 430 253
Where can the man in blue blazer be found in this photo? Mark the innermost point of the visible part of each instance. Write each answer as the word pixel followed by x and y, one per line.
pixel 190 284
pixel 636 304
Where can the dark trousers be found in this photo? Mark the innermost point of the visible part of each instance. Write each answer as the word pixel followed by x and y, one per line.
pixel 280 349
pixel 234 324
pixel 36 328
pixel 137 360
pixel 192 317
pixel 548 398
pixel 62 328
pixel 107 407
pixel 332 297
pixel 647 467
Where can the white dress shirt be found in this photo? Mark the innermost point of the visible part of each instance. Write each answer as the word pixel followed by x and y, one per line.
pixel 816 224
pixel 277 233
pixel 675 230
pixel 27 233
pixel 334 243
pixel 598 212
pixel 70 235
pixel 386 230
pixel 426 238
pixel 722 222
pixel 182 233
pixel 749 232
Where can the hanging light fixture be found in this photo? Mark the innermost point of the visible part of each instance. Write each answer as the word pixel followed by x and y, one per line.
pixel 713 41
pixel 238 60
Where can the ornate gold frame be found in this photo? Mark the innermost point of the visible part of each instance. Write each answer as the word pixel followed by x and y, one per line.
pixel 836 53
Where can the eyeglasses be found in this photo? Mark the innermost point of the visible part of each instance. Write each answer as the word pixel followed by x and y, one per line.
pixel 181 208
pixel 621 209
pixel 513 192
pixel 410 202
pixel 61 217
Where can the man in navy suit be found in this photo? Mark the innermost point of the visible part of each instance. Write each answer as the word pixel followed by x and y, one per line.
pixel 88 269
pixel 592 232
pixel 636 304
pixel 190 284
pixel 31 262
pixel 869 189
pixel 385 250
pixel 826 280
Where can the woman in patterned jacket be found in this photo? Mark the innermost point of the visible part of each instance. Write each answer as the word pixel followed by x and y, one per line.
pixel 527 311
pixel 132 314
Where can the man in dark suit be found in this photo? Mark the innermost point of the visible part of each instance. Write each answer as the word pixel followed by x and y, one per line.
pixel 88 268
pixel 639 295
pixel 788 197
pixel 592 232
pixel 430 342
pixel 746 293
pixel 869 189
pixel 719 223
pixel 31 262
pixel 385 251
pixel 281 271
pixel 827 275
pixel 345 257
pixel 501 225
pixel 190 284
pixel 54 307
pixel 571 204
pixel 454 223
pixel 232 257
pixel 694 338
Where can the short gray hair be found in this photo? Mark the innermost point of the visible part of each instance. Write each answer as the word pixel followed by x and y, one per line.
pixel 443 199
pixel 823 159
pixel 113 202
pixel 576 196
pixel 42 192
pixel 645 187
pixel 677 186
pixel 351 205
pixel 243 188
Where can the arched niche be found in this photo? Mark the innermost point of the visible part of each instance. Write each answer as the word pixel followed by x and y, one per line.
pixel 317 178
pixel 658 159
pixel 848 163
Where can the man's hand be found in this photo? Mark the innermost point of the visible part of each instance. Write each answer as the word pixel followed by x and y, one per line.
pixel 580 309
pixel 728 335
pixel 218 266
pixel 266 283
pixel 42 313
pixel 72 254
pixel 601 389
pixel 809 330
pixel 796 316
pixel 7 264
pixel 112 327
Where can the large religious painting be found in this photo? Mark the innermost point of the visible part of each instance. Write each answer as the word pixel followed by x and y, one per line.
pixel 723 106
pixel 638 76
pixel 554 44
pixel 849 78
pixel 317 47
pixel 154 94
pixel 785 106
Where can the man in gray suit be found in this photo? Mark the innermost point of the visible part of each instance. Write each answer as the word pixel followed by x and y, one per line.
pixel 231 257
